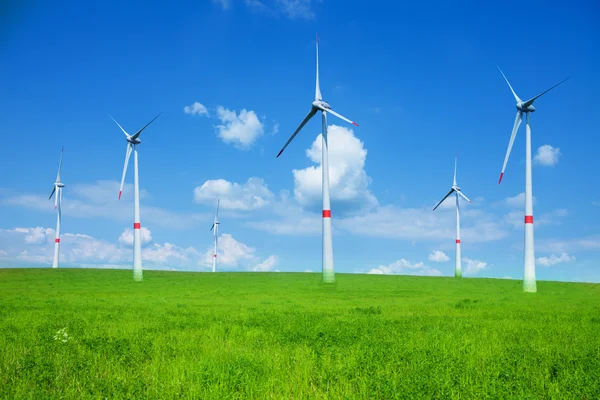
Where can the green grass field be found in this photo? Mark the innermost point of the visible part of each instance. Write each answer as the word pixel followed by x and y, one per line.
pixel 288 336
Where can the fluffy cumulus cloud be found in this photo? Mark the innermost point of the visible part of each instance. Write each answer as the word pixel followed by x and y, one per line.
pixel 405 267
pixel 239 130
pixel 438 256
pixel 267 265
pixel 251 195
pixel 195 109
pixel 473 267
pixel 547 155
pixel 87 251
pixel 348 180
pixel 126 237
pixel 554 259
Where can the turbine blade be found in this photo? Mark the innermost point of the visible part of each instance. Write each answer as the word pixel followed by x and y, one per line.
pixel 60 164
pixel 317 87
pixel 56 198
pixel 445 197
pixel 126 134
pixel 329 110
pixel 213 225
pixel 217 213
pixel 135 136
pixel 127 154
pixel 510 143
pixel 465 197
pixel 53 190
pixel 511 89
pixel 530 101
pixel 455 158
pixel 308 116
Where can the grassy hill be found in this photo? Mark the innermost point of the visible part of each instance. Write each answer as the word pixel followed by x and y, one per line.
pixel 83 333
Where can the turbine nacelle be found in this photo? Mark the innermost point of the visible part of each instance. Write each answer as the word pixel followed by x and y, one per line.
pixel 320 104
pixel 523 107
pixel 454 187
pixel 133 141
pixel 59 184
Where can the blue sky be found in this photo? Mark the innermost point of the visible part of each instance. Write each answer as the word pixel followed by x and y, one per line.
pixel 419 78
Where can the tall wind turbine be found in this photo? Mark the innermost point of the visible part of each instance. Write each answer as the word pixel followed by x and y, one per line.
pixel 529 284
pixel 456 190
pixel 132 142
pixel 321 106
pixel 215 226
pixel 58 187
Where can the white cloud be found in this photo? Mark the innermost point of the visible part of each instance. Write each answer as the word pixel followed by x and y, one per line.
pixel 37 235
pixel 267 265
pixel 404 267
pixel 241 131
pixel 251 195
pixel 547 155
pixel 586 243
pixel 554 259
pixel 292 9
pixel 517 201
pixel 296 9
pixel 423 224
pixel 195 109
pixel 438 256
pixel 225 4
pixel 84 250
pixel 473 266
pixel 126 237
pixel 348 180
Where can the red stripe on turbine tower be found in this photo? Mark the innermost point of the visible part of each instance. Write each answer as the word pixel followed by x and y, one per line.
pixel 529 219
pixel 457 240
pixel 137 225
pixel 326 213
pixel 56 240
pixel 215 255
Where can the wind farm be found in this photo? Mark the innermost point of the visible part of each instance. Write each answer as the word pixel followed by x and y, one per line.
pixel 433 292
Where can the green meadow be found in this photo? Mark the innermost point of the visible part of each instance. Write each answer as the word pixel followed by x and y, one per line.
pixel 84 333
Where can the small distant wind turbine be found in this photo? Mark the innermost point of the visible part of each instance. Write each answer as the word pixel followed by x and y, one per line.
pixel 58 188
pixel 132 143
pixel 456 190
pixel 529 283
pixel 324 108
pixel 215 226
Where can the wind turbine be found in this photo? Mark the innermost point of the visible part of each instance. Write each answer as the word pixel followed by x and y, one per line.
pixel 132 142
pixel 456 190
pixel 529 284
pixel 321 106
pixel 215 225
pixel 58 187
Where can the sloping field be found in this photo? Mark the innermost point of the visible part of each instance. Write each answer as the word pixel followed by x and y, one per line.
pixel 82 333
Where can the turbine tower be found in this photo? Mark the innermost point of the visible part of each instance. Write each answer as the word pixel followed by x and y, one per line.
pixel 58 188
pixel 132 142
pixel 456 190
pixel 529 284
pixel 321 106
pixel 215 225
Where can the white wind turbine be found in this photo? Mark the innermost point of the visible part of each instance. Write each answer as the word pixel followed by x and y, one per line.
pixel 58 188
pixel 456 190
pixel 529 284
pixel 215 226
pixel 132 143
pixel 324 108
